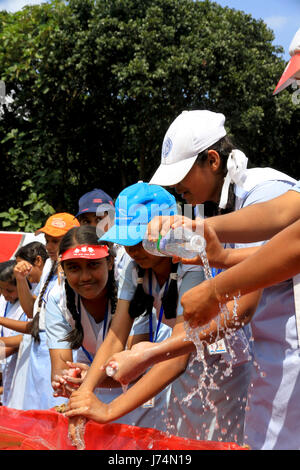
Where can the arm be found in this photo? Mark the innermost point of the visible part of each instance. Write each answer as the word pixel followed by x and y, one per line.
pixel 16 325
pixel 170 356
pixel 21 270
pixel 9 345
pixel 259 221
pixel 147 387
pixel 256 222
pixel 276 261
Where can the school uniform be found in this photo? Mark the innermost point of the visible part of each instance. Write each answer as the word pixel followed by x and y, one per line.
pixel 296 187
pixel 15 312
pixel 272 418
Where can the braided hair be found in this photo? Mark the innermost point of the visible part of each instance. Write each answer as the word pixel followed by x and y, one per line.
pixel 36 318
pixel 143 302
pixel 170 298
pixel 85 234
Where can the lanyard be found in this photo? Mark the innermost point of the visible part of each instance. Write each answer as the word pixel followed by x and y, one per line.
pixel 215 271
pixel 88 355
pixel 5 313
pixel 160 312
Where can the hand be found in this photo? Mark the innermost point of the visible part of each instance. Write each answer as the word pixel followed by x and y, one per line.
pixel 70 379
pixel 76 431
pixel 85 403
pixel 22 269
pixel 129 364
pixel 200 304
pixel 160 225
pixel 216 254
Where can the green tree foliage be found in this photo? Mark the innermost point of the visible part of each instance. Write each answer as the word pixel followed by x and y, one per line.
pixel 95 85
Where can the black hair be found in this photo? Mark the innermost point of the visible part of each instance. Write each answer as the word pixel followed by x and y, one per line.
pixel 36 318
pixel 85 234
pixel 170 298
pixel 30 252
pixel 224 147
pixel 7 272
pixel 143 303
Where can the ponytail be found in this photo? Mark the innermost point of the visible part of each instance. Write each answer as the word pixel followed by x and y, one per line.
pixel 170 298
pixel 75 337
pixel 36 318
pixel 141 301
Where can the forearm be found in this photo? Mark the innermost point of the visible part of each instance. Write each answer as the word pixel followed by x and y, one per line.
pixel 178 344
pixel 234 256
pixel 147 387
pixel 25 297
pixel 259 221
pixel 277 261
pixel 59 358
pixel 16 325
pixel 11 341
pixel 9 351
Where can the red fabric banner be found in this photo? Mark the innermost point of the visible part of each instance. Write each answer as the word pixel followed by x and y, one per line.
pixel 48 430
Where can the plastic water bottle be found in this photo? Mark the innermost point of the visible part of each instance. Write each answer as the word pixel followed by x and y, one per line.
pixel 178 242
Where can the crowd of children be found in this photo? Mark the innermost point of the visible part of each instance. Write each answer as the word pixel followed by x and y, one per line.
pixel 92 298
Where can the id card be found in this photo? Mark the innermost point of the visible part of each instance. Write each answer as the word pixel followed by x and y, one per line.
pixel 217 348
pixel 149 404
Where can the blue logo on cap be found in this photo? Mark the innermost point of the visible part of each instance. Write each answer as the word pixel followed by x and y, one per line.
pixel 167 147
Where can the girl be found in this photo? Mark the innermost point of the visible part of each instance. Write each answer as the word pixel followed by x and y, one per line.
pixel 83 316
pixel 10 309
pixel 155 276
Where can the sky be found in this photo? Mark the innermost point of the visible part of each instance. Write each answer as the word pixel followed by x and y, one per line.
pixel 282 16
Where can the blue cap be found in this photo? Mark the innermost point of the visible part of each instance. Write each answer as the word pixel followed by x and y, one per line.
pixel 135 206
pixel 90 202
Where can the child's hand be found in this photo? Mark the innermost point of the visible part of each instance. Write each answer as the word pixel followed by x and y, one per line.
pixel 130 364
pixel 70 379
pixel 22 269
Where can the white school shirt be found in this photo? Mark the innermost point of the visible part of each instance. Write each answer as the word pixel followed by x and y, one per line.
pixel 296 187
pixel 52 282
pixel 272 418
pixel 15 312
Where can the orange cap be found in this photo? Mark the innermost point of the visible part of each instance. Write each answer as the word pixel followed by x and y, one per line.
pixel 59 224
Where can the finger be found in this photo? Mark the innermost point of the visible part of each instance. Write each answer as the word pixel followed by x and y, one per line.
pixel 72 380
pixel 71 389
pixel 78 365
pixel 77 412
pixel 166 225
pixel 153 229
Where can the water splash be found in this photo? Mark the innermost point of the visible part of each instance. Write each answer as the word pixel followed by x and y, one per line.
pixel 206 380
pixel 78 441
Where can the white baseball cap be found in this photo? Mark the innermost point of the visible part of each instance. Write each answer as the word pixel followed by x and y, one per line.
pixel 188 135
pixel 292 70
